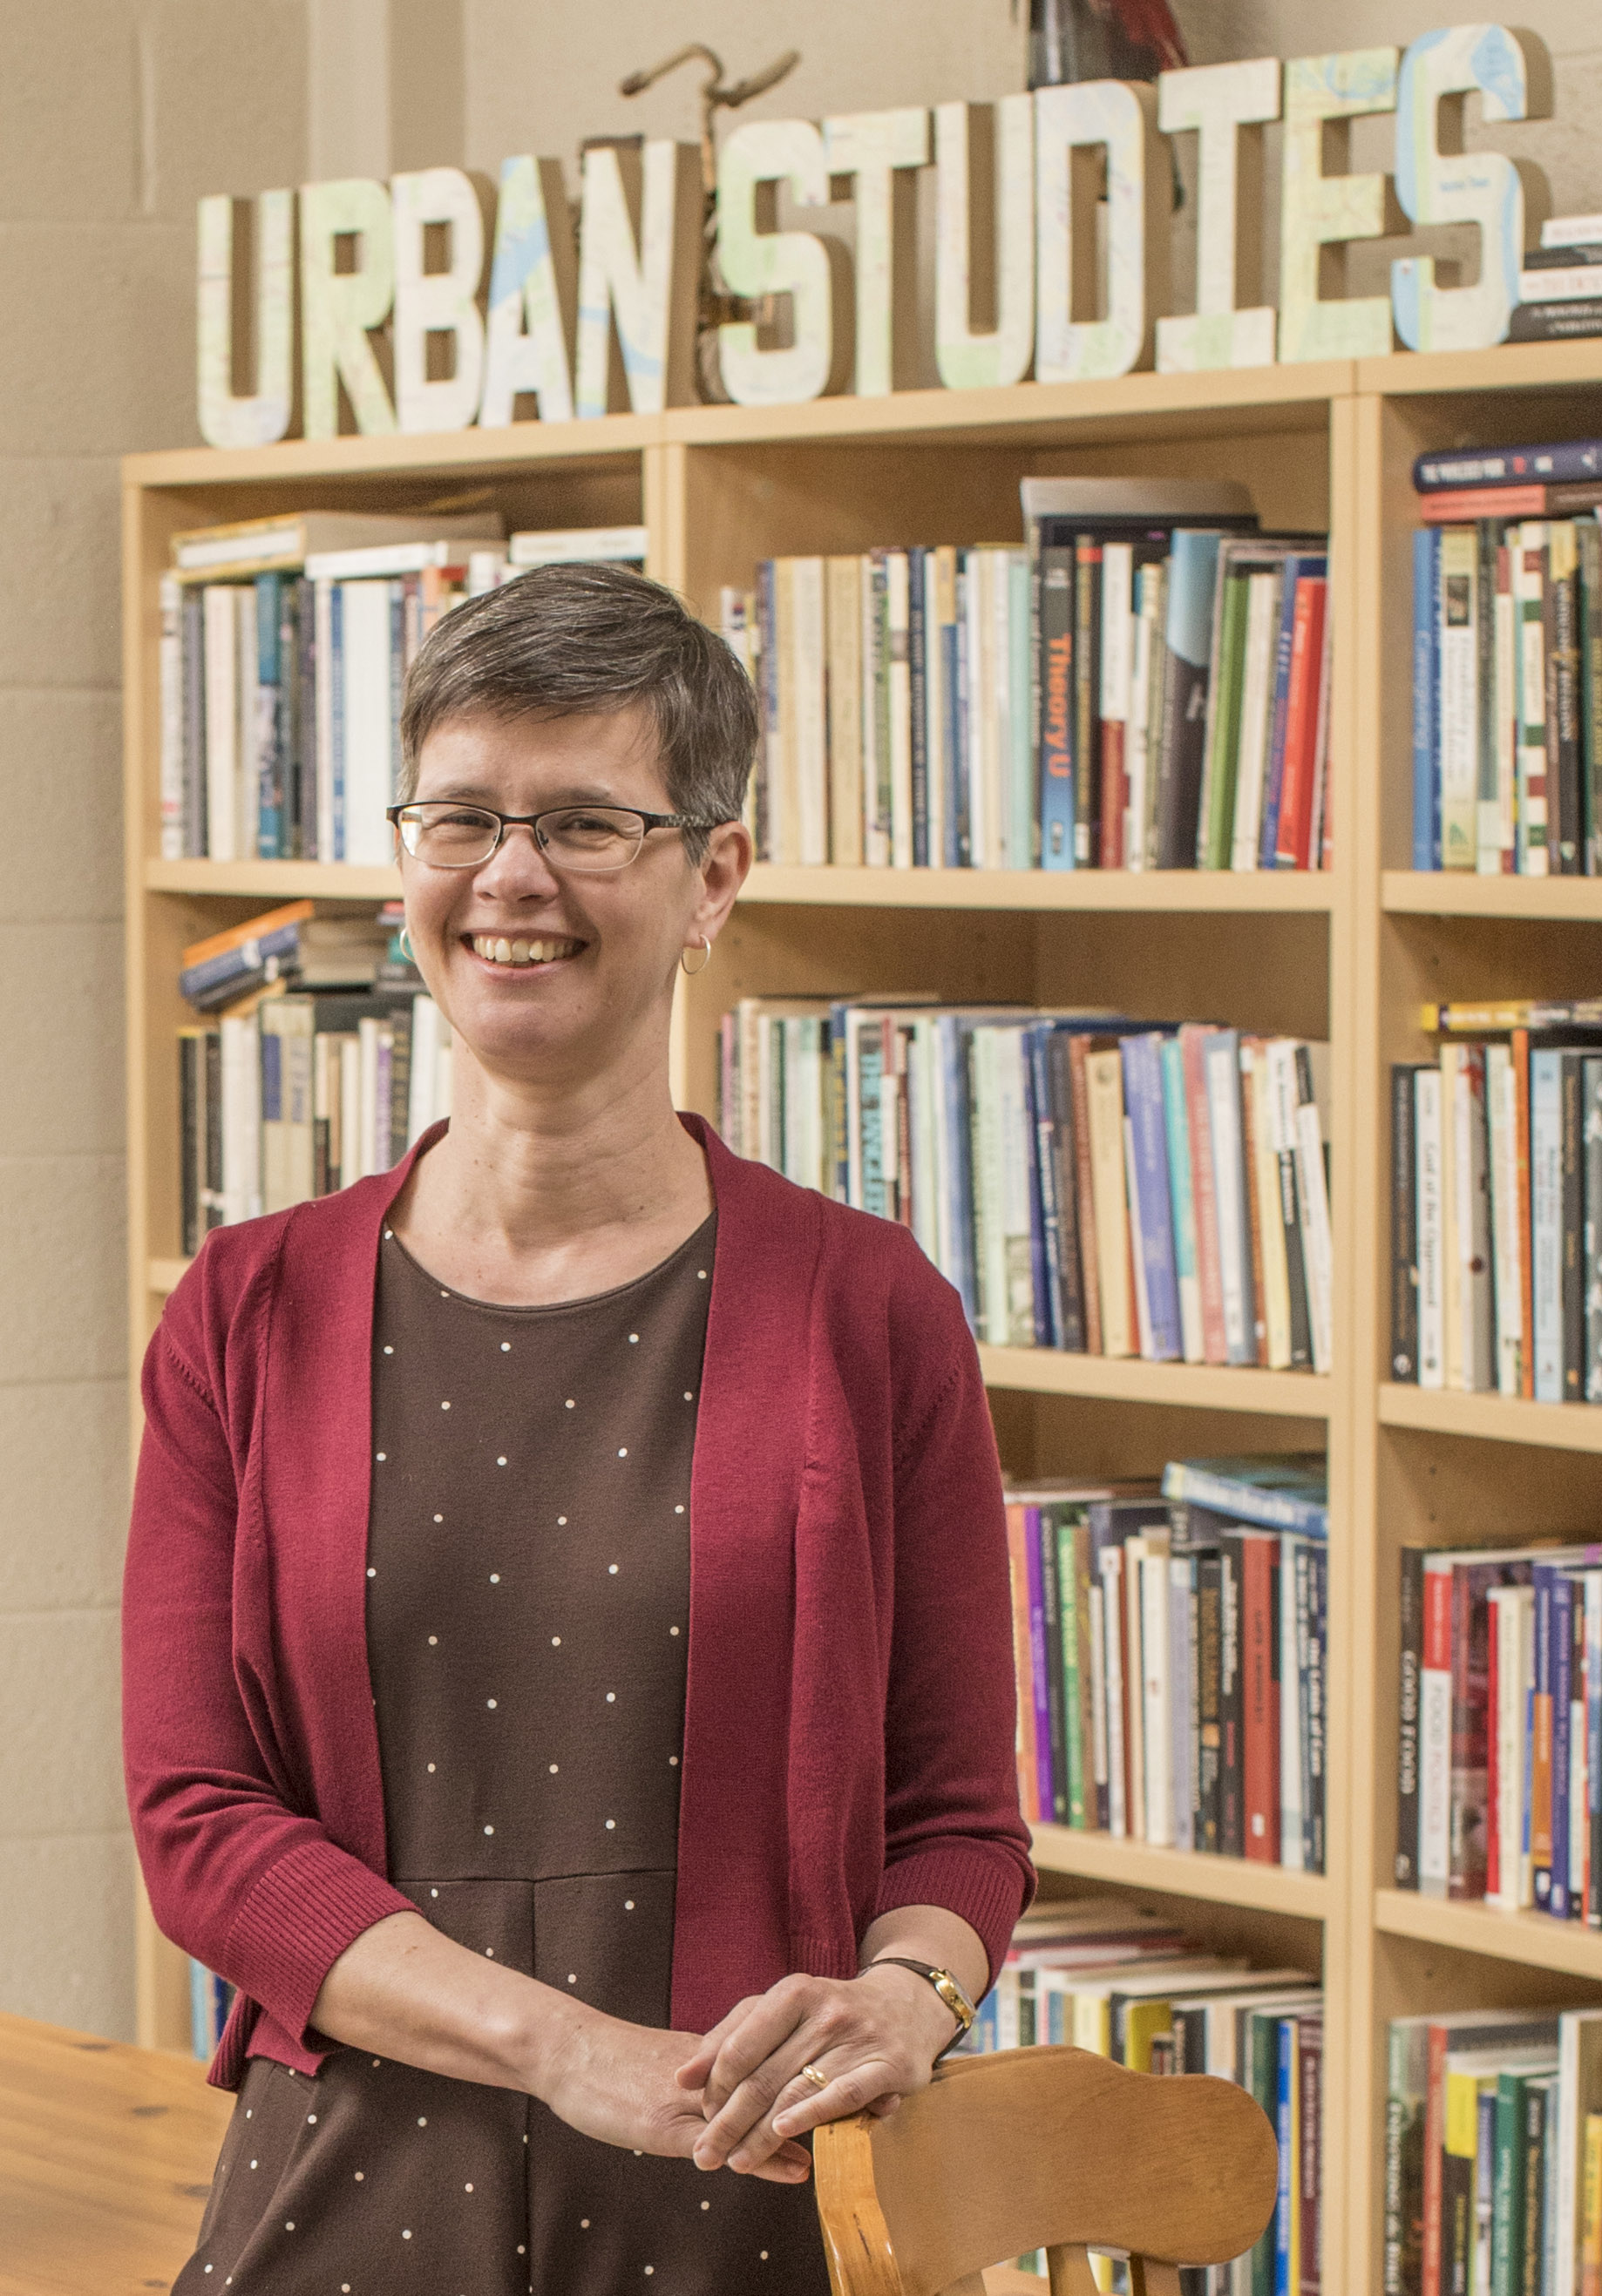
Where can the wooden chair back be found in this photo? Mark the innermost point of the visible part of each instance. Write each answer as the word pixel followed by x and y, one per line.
pixel 1046 2148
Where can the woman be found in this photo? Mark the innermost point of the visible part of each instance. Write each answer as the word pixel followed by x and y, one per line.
pixel 568 1665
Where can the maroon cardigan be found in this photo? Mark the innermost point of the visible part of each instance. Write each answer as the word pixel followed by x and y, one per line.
pixel 849 1717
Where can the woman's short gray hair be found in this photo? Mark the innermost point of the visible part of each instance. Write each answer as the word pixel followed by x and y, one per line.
pixel 585 640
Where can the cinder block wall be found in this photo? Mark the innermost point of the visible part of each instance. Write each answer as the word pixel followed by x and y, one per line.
pixel 114 116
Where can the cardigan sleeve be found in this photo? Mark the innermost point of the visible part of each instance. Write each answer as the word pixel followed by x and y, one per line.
pixel 238 1876
pixel 954 1836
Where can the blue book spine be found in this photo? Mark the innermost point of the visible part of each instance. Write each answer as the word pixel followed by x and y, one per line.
pixel 336 680
pixel 1426 776
pixel 1056 732
pixel 1043 1215
pixel 1297 570
pixel 1023 835
pixel 1038 1647
pixel 1574 461
pixel 1153 1211
pixel 1546 1220
pixel 1563 1691
pixel 249 957
pixel 1187 1269
pixel 269 756
pixel 1245 1502
pixel 1543 1579
pixel 1284 2199
pixel 952 739
pixel 917 661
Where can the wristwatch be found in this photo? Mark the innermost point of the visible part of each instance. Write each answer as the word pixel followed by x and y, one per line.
pixel 950 1992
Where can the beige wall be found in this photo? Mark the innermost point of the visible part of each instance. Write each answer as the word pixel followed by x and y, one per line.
pixel 114 116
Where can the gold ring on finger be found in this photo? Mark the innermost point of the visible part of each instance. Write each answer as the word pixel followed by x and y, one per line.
pixel 810 2073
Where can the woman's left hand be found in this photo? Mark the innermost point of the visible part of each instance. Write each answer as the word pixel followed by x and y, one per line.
pixel 875 2037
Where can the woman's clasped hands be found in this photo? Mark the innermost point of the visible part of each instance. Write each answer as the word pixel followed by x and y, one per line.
pixel 874 2039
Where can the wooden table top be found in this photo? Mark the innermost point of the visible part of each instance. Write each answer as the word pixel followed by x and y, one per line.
pixel 106 2154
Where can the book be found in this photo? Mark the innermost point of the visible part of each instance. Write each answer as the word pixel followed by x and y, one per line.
pixel 255 545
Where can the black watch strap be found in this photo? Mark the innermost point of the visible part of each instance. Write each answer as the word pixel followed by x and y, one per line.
pixel 950 1992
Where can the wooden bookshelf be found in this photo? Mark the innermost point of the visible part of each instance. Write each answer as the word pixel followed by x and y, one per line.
pixel 1349 954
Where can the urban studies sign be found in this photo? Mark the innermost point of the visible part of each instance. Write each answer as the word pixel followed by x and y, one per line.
pixel 379 292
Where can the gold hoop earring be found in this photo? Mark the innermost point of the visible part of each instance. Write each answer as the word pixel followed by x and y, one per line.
pixel 690 971
pixel 403 941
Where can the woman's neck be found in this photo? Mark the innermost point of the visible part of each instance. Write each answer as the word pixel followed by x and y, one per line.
pixel 536 1195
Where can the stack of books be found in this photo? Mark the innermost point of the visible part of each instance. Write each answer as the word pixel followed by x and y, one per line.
pixel 1560 286
pixel 1499 1711
pixel 1087 1183
pixel 1508 660
pixel 1496 1199
pixel 1493 2153
pixel 317 1061
pixel 1107 1976
pixel 285 643
pixel 1145 685
pixel 1171 1647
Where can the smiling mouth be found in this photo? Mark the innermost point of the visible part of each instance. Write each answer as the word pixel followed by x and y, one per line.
pixel 497 950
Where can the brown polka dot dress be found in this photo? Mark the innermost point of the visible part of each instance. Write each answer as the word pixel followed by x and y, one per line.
pixel 528 1603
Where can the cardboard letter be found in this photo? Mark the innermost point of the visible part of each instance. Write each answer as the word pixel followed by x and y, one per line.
pixel 256 420
pixel 531 281
pixel 967 361
pixel 757 262
pixel 1072 122
pixel 338 307
pixel 871 146
pixel 1480 187
pixel 438 303
pixel 648 289
pixel 1316 210
pixel 1218 101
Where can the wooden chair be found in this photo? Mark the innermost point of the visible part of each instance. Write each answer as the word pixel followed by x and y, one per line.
pixel 1046 2148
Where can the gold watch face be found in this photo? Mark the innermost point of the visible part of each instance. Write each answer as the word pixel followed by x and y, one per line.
pixel 955 2000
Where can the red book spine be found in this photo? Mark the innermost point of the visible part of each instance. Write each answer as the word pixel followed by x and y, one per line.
pixel 1204 1188
pixel 1293 847
pixel 1493 1799
pixel 1435 2142
pixel 1259 1622
pixel 1017 1560
pixel 1114 793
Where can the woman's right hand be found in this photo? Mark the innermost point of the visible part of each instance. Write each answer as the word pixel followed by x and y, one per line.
pixel 616 2082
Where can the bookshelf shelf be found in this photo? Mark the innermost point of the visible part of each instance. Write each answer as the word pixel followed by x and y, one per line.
pixel 1493 1418
pixel 1350 953
pixel 1535 1940
pixel 1198 1386
pixel 1454 893
pixel 1182 1873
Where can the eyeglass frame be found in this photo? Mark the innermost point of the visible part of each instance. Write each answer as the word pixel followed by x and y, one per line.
pixel 531 821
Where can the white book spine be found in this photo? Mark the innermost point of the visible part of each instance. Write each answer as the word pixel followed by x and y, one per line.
pixel 898 671
pixel 222 721
pixel 1223 1113
pixel 1098 1697
pixel 171 680
pixel 1111 1701
pixel 970 702
pixel 1471 1166
pixel 1292 1645
pixel 1134 1690
pixel 322 628
pixel 368 721
pixel 808 660
pixel 1505 703
pixel 1001 728
pixel 1256 718
pixel 1137 734
pixel 247 744
pixel 1434 1771
pixel 1317 1244
pixel 934 712
pixel 1502 1108
pixel 1457 652
pixel 1013 1108
pixel 1157 1720
pixel 1426 1129
pixel 368 1115
pixel 1182 1700
pixel 1506 1747
pixel 875 837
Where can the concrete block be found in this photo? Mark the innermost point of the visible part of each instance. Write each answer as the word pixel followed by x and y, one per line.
pixel 60 572
pixel 62 1269
pixel 67 1933
pixel 100 358
pixel 69 112
pixel 62 784
pixel 60 1762
pixel 227 98
pixel 63 1499
pixel 61 1039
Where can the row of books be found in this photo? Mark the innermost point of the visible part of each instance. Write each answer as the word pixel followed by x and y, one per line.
pixel 1560 283
pixel 285 648
pixel 1493 2153
pixel 1172 1658
pixel 1087 1183
pixel 1145 685
pixel 1496 1186
pixel 1499 1715
pixel 1507 662
pixel 1107 1976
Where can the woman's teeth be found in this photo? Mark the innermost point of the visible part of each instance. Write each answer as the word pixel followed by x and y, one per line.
pixel 495 951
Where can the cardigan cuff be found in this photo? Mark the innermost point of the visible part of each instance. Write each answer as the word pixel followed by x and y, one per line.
pixel 299 1917
pixel 986 1887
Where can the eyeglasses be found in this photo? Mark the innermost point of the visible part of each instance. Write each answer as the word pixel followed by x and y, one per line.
pixel 590 838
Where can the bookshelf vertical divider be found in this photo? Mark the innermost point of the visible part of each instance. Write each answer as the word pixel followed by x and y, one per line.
pixel 1347 955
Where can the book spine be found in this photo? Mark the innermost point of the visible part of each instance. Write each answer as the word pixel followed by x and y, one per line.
pixel 1060 1528
pixel 1058 801
pixel 1260 1658
pixel 1152 1207
pixel 1563 464
pixel 918 663
pixel 1488 806
pixel 1222 1055
pixel 1215 831
pixel 1562 631
pixel 1404 1228
pixel 1293 847
pixel 1186 1269
pixel 1310 2150
pixel 1534 797
pixel 1546 1221
pixel 1431 1305
pixel 1574 1271
pixel 1411 1626
pixel 1457 657
pixel 1435 1733
pixel 1426 783
pixel 1588 544
pixel 1074 1270
pixel 1193 1043
pixel 1232 1823
pixel 1087 703
pixel 1561 1664
pixel 1018 1574
pixel 1541 1810
pixel 1593 1748
pixel 1043 1538
pixel 1206 1830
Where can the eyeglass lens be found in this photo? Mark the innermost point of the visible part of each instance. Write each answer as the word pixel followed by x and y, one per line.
pixel 578 837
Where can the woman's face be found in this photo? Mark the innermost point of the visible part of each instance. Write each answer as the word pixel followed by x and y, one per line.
pixel 591 979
